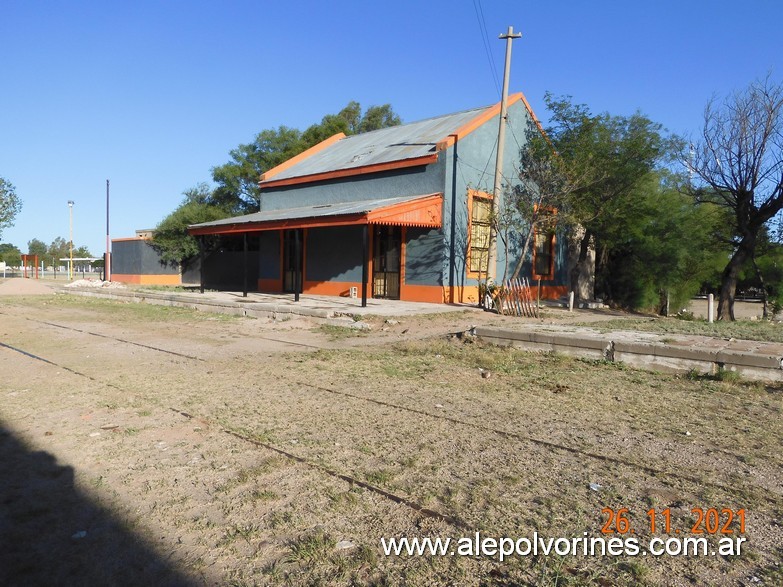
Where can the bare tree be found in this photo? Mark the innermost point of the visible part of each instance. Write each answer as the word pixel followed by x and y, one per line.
pixel 738 162
pixel 545 184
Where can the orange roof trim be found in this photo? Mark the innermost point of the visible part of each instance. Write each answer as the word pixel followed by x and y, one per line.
pixel 424 212
pixel 476 122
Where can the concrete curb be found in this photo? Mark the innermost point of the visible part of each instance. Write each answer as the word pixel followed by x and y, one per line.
pixel 712 357
pixel 252 309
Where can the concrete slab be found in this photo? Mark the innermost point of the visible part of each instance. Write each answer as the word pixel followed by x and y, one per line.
pixel 672 353
pixel 263 304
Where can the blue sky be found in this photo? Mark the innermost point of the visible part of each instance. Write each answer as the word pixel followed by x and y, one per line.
pixel 152 94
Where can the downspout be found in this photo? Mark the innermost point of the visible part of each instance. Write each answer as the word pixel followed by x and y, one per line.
pixel 453 228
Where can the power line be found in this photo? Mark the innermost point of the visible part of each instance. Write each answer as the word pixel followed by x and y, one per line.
pixel 485 39
pixel 486 166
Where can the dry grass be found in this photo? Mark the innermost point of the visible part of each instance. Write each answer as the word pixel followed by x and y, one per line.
pixel 764 330
pixel 507 455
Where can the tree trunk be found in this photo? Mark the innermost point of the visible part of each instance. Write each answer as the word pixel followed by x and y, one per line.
pixel 525 249
pixel 576 271
pixel 728 285
pixel 764 310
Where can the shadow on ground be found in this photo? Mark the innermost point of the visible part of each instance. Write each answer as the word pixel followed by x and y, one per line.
pixel 51 533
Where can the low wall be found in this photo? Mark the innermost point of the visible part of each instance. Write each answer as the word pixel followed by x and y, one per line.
pixel 651 354
pixel 239 308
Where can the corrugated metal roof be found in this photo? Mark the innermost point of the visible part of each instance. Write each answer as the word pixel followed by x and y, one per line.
pixel 317 211
pixel 397 143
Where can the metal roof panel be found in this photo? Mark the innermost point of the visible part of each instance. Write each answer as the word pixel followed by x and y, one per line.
pixel 309 212
pixel 396 143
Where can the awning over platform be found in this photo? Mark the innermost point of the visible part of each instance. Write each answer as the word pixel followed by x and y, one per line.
pixel 424 211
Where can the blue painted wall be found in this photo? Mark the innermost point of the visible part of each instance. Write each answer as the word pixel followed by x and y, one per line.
pixel 434 257
pixel 561 261
pixel 470 164
pixel 269 254
pixel 334 254
pixel 412 181
pixel 424 256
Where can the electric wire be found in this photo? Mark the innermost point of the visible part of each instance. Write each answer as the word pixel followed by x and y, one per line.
pixel 485 39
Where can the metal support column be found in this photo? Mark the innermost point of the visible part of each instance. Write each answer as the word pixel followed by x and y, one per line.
pixel 297 265
pixel 201 259
pixel 244 265
pixel 365 258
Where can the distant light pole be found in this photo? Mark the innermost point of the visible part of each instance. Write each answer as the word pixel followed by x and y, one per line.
pixel 70 219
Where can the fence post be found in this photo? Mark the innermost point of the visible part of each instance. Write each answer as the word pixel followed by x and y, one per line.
pixel 710 307
pixel 570 301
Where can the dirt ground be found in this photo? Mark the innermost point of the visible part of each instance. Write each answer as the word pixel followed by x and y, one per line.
pixel 147 444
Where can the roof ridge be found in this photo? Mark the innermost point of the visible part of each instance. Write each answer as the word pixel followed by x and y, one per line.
pixel 386 128
pixel 396 147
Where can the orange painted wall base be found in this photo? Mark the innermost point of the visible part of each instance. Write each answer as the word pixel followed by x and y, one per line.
pixel 434 294
pixel 147 279
pixel 270 285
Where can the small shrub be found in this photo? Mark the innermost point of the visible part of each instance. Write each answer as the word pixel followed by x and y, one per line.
pixel 686 315
pixel 728 376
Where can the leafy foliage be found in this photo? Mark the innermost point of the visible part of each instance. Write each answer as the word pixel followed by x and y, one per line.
pixel 605 158
pixel 603 173
pixel 59 249
pixel 10 254
pixel 237 181
pixel 237 190
pixel 171 238
pixel 10 204
pixel 763 275
pixel 667 250
pixel 546 183
pixel 37 247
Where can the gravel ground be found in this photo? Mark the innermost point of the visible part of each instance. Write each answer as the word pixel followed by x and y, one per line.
pixel 153 444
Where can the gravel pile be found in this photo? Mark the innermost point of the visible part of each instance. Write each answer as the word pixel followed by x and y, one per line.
pixel 95 284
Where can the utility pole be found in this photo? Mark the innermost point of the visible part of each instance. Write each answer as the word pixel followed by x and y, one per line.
pixel 107 258
pixel 497 191
pixel 70 243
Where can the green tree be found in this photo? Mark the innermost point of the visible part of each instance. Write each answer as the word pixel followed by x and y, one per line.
pixel 604 159
pixel 237 181
pixel 664 249
pixel 171 238
pixel 762 275
pixel 10 204
pixel 37 247
pixel 738 162
pixel 81 252
pixel 237 190
pixel 605 176
pixel 378 117
pixel 769 275
pixel 10 254
pixel 58 249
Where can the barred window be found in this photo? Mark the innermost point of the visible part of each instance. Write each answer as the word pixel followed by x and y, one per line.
pixel 480 219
